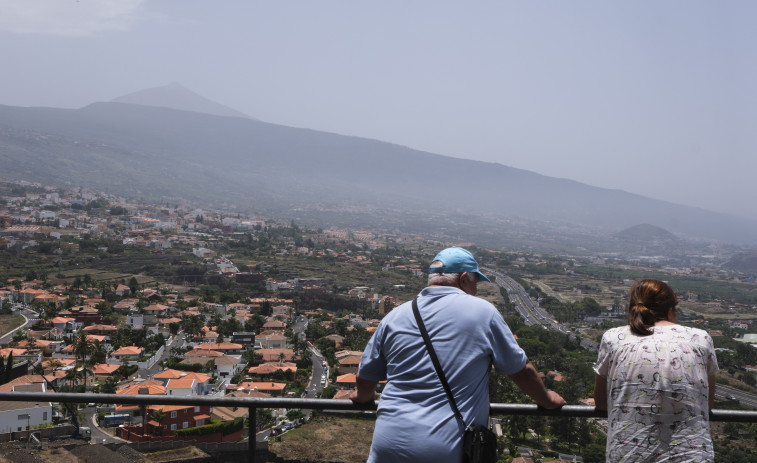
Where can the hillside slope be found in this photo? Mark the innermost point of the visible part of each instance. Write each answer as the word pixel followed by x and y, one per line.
pixel 163 153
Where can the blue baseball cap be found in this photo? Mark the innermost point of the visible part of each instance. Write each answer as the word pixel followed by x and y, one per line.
pixel 457 260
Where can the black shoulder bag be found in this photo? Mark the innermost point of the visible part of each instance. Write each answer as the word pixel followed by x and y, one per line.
pixel 479 442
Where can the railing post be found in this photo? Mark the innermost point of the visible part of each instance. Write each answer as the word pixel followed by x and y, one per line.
pixel 251 434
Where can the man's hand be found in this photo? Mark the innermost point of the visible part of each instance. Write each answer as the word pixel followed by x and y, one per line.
pixel 554 400
pixel 365 392
pixel 357 399
pixel 529 382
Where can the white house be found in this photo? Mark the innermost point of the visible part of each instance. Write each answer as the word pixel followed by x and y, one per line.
pixel 19 416
pixel 183 387
pixel 135 320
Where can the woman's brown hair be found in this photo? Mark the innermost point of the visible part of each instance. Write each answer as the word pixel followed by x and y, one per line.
pixel 651 301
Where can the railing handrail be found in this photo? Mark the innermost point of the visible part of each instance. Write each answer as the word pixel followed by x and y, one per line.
pixel 253 403
pixel 581 411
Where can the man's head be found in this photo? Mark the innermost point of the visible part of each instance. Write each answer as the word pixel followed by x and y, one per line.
pixel 455 267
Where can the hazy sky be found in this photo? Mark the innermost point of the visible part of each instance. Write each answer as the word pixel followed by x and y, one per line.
pixel 655 98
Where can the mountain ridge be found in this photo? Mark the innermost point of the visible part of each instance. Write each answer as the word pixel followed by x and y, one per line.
pixel 163 152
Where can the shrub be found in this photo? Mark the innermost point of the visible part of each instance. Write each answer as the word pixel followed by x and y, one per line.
pixel 224 427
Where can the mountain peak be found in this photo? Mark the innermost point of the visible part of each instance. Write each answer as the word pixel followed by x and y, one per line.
pixel 176 96
pixel 646 232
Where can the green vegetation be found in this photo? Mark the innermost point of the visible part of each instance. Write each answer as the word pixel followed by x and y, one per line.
pixel 224 427
pixel 707 288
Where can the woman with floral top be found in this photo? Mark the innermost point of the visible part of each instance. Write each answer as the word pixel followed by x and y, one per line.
pixel 656 379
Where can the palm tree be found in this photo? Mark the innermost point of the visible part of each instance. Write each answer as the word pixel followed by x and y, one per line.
pixel 54 364
pixel 83 349
pixel 98 354
pixel 82 371
pixel 31 342
pixel 159 415
pixel 71 376
pixel 83 346
pixel 38 369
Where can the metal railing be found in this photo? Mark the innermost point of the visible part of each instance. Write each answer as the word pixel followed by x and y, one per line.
pixel 252 404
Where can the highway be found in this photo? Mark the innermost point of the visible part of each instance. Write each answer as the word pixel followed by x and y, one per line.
pixel 529 310
pixel 726 392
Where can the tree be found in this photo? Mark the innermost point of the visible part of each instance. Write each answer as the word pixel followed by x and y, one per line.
pixel 193 325
pixel 583 434
pixel 356 339
pixel 98 354
pixel 732 430
pixel 210 366
pixel 6 307
pixel 253 358
pixel 82 371
pixel 71 377
pixel 328 392
pixel 295 414
pixel 49 312
pixel 594 453
pixel 31 342
pixel 8 368
pixel 539 426
pixel 565 430
pixel 133 285
pixel 263 418
pixel 54 364
pixel 159 415
pixel 83 350
pixel 109 385
pixel 517 426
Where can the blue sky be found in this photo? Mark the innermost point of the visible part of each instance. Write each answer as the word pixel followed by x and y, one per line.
pixel 654 98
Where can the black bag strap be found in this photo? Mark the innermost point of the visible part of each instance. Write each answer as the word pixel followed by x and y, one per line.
pixel 435 361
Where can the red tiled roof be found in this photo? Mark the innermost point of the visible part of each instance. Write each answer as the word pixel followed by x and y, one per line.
pixel 262 386
pixel 203 353
pixel 218 345
pixel 349 378
pixel 105 368
pixel 269 368
pixel 129 350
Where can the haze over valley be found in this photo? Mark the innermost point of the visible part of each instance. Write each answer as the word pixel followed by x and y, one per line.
pixel 146 150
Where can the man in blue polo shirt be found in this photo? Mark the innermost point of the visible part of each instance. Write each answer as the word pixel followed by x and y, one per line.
pixel 415 422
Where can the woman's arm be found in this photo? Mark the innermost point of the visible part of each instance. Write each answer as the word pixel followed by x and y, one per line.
pixel 711 385
pixel 600 392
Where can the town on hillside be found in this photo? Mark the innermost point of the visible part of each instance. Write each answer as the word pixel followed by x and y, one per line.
pixel 103 294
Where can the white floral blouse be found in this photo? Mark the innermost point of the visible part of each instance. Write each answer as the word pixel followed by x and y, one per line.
pixel 657 394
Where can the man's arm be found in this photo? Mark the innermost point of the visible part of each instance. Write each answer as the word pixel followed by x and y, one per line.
pixel 366 391
pixel 600 392
pixel 529 382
